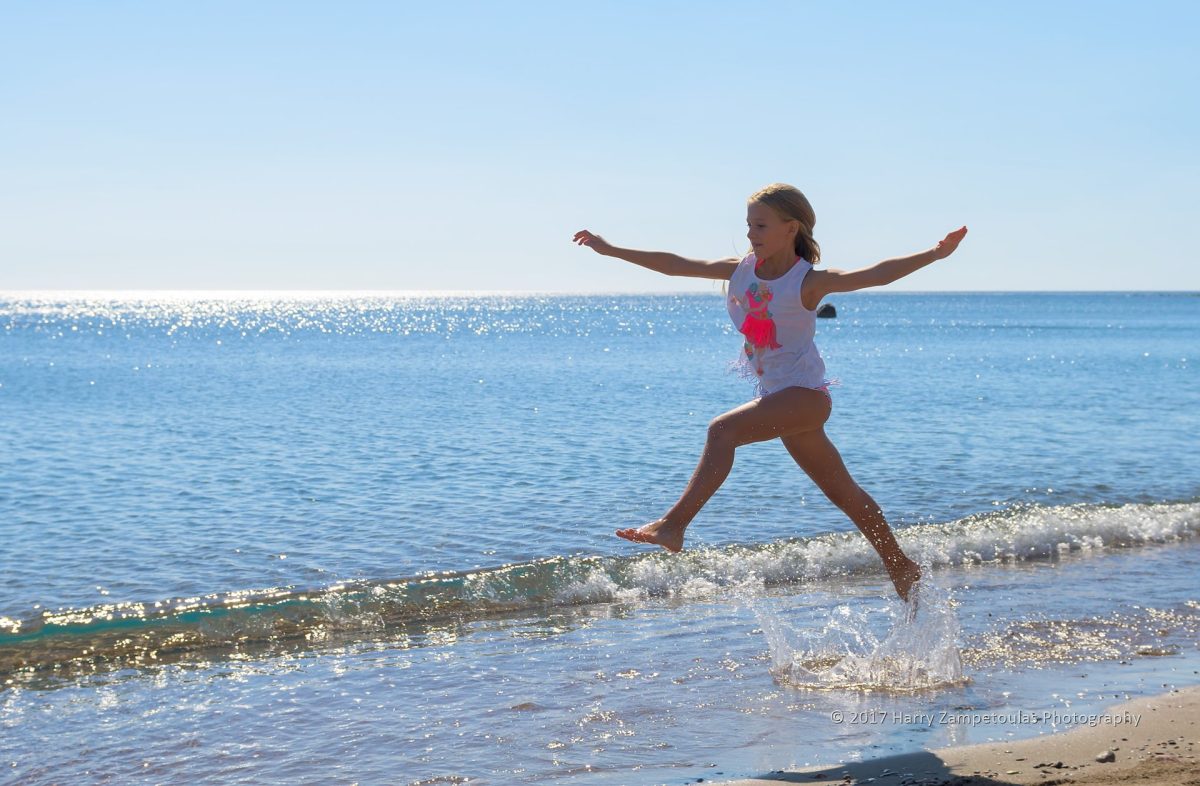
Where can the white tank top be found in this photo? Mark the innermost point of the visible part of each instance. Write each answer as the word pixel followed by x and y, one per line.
pixel 777 329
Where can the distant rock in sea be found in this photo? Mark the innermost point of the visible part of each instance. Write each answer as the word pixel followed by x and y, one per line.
pixel 827 311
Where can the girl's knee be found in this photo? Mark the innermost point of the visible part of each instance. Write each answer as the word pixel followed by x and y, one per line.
pixel 721 432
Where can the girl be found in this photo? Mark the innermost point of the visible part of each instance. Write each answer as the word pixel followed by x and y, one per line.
pixel 774 294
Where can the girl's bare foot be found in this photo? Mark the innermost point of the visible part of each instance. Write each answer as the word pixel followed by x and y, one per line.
pixel 904 576
pixel 660 532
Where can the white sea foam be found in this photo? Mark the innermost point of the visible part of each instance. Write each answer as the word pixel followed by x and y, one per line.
pixel 1018 534
pixel 595 587
pixel 1037 532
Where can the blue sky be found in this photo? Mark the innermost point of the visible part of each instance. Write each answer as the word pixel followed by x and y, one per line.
pixel 401 146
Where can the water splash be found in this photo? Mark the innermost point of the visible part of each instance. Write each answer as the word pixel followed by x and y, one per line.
pixel 918 652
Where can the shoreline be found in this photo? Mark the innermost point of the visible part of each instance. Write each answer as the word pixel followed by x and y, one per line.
pixel 1161 748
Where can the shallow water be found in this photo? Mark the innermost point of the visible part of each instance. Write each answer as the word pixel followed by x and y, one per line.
pixel 369 539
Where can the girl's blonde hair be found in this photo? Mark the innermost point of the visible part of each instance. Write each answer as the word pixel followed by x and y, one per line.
pixel 789 203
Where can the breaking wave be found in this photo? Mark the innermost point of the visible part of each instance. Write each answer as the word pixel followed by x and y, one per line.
pixel 134 634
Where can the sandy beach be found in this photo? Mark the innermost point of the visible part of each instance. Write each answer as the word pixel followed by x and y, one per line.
pixel 1159 746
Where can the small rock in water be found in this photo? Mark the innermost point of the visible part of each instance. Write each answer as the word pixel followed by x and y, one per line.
pixel 1106 756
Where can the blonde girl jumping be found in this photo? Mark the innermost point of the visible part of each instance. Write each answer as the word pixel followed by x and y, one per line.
pixel 774 292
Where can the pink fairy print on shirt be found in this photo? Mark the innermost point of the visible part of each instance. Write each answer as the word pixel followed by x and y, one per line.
pixel 758 327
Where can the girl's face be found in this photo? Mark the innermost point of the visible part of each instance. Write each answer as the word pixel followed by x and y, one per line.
pixel 768 233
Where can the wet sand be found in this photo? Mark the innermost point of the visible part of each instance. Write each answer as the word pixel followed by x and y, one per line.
pixel 1161 748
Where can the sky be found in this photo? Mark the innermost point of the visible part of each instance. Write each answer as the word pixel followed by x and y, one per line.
pixel 459 146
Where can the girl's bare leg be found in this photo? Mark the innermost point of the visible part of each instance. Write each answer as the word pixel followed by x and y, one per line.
pixel 787 411
pixel 817 456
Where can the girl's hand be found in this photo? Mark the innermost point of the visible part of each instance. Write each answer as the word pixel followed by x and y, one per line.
pixel 594 242
pixel 946 246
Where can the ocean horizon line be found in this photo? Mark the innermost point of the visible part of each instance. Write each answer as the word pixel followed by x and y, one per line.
pixel 233 294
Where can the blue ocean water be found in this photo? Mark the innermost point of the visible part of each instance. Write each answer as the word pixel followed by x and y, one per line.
pixel 368 538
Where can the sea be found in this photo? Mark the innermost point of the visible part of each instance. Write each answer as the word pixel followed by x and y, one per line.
pixel 367 537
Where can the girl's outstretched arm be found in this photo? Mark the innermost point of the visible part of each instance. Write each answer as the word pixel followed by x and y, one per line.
pixel 659 261
pixel 879 274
